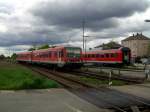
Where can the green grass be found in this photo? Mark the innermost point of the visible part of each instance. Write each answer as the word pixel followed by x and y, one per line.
pixel 101 82
pixel 147 81
pixel 16 77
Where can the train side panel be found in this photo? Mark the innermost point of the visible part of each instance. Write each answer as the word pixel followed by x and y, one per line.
pixel 59 56
pixel 24 57
pixel 114 56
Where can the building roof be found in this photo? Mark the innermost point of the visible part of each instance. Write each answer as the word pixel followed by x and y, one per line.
pixel 137 37
pixel 110 45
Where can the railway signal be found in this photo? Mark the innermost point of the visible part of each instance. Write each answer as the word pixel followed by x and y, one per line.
pixel 110 81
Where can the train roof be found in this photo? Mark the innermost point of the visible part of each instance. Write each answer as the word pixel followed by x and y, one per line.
pixel 55 48
pixel 26 52
pixel 44 50
pixel 108 50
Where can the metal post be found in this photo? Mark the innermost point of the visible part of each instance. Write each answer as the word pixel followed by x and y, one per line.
pixel 85 46
pixel 147 71
pixel 110 74
pixel 100 69
pixel 83 24
pixel 119 72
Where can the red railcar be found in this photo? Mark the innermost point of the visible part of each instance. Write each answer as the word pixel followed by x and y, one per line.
pixel 59 56
pixel 24 56
pixel 111 56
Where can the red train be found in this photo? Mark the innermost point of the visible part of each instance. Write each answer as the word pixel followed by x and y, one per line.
pixel 74 57
pixel 59 56
pixel 121 55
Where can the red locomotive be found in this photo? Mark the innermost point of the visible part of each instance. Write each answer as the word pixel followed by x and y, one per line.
pixel 121 55
pixel 59 56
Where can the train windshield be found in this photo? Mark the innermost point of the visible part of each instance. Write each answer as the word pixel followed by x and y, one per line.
pixel 73 52
pixel 126 55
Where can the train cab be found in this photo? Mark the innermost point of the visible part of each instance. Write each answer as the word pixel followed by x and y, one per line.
pixel 126 55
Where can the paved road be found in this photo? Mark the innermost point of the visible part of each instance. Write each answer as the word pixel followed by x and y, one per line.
pixel 141 90
pixel 52 100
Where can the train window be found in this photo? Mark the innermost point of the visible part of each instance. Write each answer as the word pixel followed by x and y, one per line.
pixel 116 55
pixel 93 55
pixel 88 55
pixel 97 55
pixel 55 54
pixel 85 55
pixel 50 54
pixel 112 55
pixel 103 55
pixel 62 53
pixel 46 55
pixel 43 55
pixel 40 55
pixel 107 55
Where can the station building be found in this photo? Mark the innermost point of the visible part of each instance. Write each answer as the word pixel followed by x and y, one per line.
pixel 139 45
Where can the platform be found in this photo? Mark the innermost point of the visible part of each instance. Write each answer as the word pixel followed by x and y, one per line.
pixel 139 90
pixel 50 100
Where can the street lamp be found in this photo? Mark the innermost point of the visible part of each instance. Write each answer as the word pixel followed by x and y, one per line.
pixel 147 20
pixel 146 73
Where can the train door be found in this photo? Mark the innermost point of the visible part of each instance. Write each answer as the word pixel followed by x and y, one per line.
pixel 126 55
pixel 31 56
pixel 60 59
pixel 59 56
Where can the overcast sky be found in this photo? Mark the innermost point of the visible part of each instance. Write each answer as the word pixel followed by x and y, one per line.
pixel 33 22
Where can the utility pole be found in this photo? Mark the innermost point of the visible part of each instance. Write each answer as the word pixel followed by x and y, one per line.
pixel 83 25
pixel 86 42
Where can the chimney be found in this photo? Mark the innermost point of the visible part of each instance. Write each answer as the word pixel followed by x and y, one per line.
pixel 141 34
pixel 133 35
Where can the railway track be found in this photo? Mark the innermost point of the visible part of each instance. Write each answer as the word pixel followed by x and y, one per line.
pixel 141 85
pixel 72 85
pixel 65 81
pixel 99 76
pixel 95 95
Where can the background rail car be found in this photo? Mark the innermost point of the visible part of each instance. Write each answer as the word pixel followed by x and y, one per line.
pixel 59 56
pixel 118 56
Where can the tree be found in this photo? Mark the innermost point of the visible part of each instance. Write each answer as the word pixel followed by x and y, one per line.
pixel 45 46
pixel 2 57
pixel 31 49
pixel 14 56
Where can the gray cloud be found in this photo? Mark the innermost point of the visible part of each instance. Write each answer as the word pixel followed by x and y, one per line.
pixel 98 14
pixel 58 21
pixel 6 8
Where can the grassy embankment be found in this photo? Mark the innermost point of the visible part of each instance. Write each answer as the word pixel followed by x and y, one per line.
pixel 102 82
pixel 16 77
pixel 95 81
